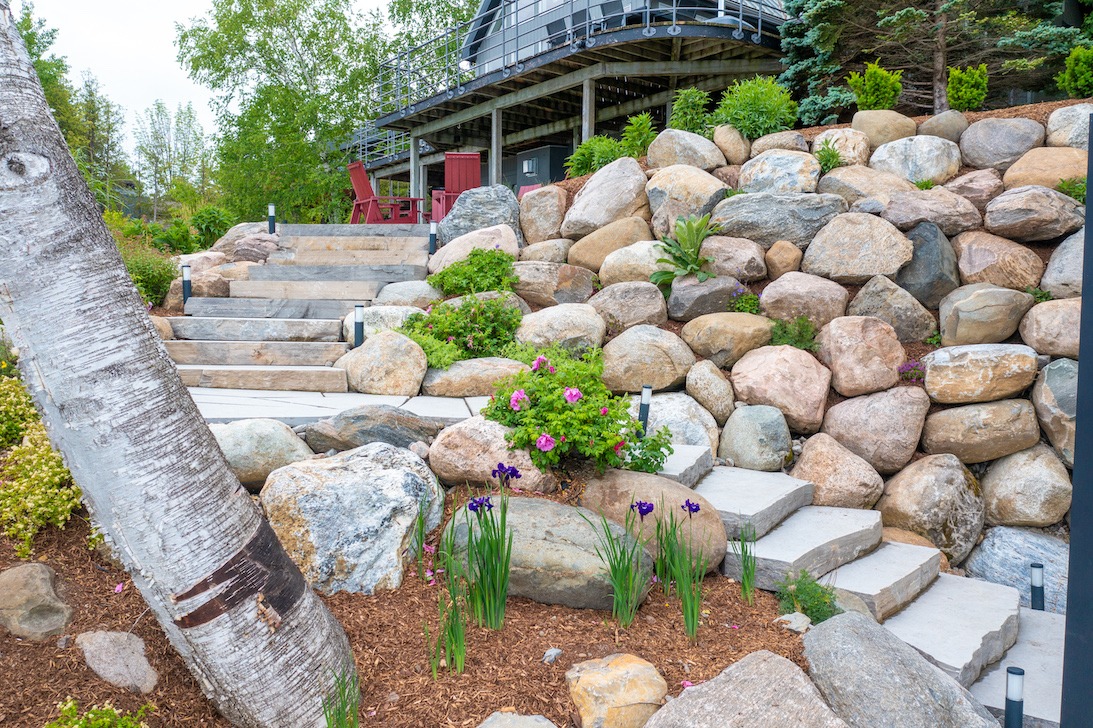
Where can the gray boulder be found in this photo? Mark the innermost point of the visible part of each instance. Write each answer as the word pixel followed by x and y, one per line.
pixel 883 299
pixel 408 293
pixel 675 146
pixel 119 659
pixel 854 247
pixel 918 158
pixel 1069 126
pixel 548 284
pixel 981 313
pixel 645 355
pixel 691 298
pixel 612 193
pixel 947 125
pixel 1032 213
pixel 871 678
pixel 573 326
pixel 369 423
pixel 932 273
pixel 255 448
pixel 381 318
pixel 765 217
pixel 1055 397
pixel 998 143
pixel 1063 277
pixel 471 377
pixel 1004 555
pixel 689 422
pixel 628 304
pixel 479 208
pixel 30 607
pixel 756 437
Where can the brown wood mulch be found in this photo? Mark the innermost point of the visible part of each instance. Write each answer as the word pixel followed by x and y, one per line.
pixel 504 669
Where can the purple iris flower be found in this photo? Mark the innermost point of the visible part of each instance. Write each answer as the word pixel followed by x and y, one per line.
pixel 691 507
pixel 644 508
pixel 506 472
pixel 480 505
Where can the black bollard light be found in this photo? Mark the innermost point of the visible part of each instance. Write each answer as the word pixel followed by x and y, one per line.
pixel 187 285
pixel 643 408
pixel 1037 575
pixel 1015 697
pixel 432 237
pixel 358 325
pixel 272 219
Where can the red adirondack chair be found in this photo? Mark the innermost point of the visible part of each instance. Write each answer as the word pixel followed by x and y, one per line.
pixel 526 189
pixel 379 210
pixel 462 172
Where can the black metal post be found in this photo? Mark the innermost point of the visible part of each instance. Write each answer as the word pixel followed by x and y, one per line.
pixel 1077 704
pixel 272 220
pixel 1036 572
pixel 643 407
pixel 432 237
pixel 1015 697
pixel 187 285
pixel 358 325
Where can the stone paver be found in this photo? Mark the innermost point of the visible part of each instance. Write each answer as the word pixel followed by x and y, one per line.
pixel 203 328
pixel 295 378
pixel 1039 652
pixel 889 578
pixel 293 408
pixel 277 308
pixel 381 273
pixel 688 464
pixel 340 290
pixel 256 353
pixel 446 409
pixel 751 496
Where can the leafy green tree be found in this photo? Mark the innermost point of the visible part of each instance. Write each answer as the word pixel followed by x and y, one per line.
pixel 52 69
pixel 99 142
pixel 170 154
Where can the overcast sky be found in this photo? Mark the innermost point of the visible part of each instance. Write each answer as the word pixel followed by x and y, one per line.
pixel 129 46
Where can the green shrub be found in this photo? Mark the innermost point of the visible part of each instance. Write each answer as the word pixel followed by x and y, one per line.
pixel 1073 187
pixel 1076 80
pixel 876 88
pixel 475 329
pixel 561 410
pixel 800 332
pixel 1039 294
pixel 828 156
pixel 744 301
pixel 177 238
pixel 689 111
pixel 593 155
pixel 683 252
pixel 925 184
pixel 638 135
pixel 150 269
pixel 37 489
pixel 482 270
pixel 756 107
pixel 99 716
pixel 805 595
pixel 211 223
pixel 967 88
pixel 16 411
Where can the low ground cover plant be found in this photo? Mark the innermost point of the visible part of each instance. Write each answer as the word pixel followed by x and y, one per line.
pixel 1074 187
pixel 99 716
pixel 476 328
pixel 828 156
pixel 802 593
pixel 744 301
pixel 683 253
pixel 483 270
pixel 1039 294
pixel 799 332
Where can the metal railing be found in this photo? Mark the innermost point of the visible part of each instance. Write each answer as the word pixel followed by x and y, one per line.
pixel 511 32
pixel 372 144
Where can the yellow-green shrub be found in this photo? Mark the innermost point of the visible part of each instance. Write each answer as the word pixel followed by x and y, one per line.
pixel 16 410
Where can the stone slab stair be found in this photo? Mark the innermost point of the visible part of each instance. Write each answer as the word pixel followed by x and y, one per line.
pixel 281 328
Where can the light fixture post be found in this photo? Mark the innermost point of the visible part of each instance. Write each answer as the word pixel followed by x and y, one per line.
pixel 358 325
pixel 1015 697
pixel 272 219
pixel 643 408
pixel 187 284
pixel 1036 572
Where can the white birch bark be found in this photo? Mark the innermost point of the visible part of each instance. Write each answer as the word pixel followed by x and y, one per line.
pixel 262 646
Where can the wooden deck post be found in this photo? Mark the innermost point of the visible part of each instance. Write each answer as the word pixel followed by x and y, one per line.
pixel 415 168
pixel 495 147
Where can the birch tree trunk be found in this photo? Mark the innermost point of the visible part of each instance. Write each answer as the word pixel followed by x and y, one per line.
pixel 941 61
pixel 260 643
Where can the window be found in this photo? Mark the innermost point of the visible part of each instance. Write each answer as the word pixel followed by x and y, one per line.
pixel 531 166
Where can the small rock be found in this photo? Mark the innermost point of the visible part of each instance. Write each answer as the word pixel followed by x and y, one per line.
pixel 645 355
pixel 932 273
pixel 918 158
pixel 386 363
pixel 29 604
pixel 1055 397
pixel 981 313
pixel 551 655
pixel 976 433
pixel 255 448
pixel 783 257
pixel 628 304
pixel 882 126
pixel 691 298
pixel 1027 488
pixel 573 326
pixel 853 146
pixel 947 125
pixel 1032 213
pixel 675 146
pixel 978 187
pixel 514 720
pixel 883 299
pixel 589 252
pixel 620 691
pixel 986 258
pixel 709 386
pixel 1052 327
pixel 119 659
pixel 802 294
pixel 162 327
pixel 854 247
pixel 541 214
pixel 549 284
pixel 998 143
pixel 841 478
pixel 733 144
pixel 794 622
pixel 756 438
pixel 863 354
pixel 725 337
pixel 787 378
pixel 903 411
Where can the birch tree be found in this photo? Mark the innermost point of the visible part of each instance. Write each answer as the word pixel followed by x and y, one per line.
pixel 261 645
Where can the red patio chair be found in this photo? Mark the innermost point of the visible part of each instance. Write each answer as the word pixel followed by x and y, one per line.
pixel 462 172
pixel 379 210
pixel 526 189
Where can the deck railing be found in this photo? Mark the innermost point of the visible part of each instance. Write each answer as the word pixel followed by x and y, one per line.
pixel 511 32
pixel 371 144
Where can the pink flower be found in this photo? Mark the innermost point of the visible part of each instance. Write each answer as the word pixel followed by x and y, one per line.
pixel 687 684
pixel 619 446
pixel 517 397
pixel 734 626
pixel 603 410
pixel 517 490
pixel 118 589
pixel 545 442
pixel 539 361
pixel 562 438
pixel 429 549
pixel 572 394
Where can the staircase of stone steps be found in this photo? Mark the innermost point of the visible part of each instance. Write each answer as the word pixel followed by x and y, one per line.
pixel 964 626
pixel 281 328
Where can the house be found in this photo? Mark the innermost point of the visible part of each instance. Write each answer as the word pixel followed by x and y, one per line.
pixel 526 80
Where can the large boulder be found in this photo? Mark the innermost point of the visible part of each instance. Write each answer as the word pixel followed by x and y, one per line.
pixel 976 433
pixel 852 145
pixel 541 214
pixel 787 378
pixel 981 313
pixel 614 192
pixel 863 354
pixel 1063 276
pixel 841 478
pixel 691 298
pixel 856 182
pixel 780 170
pixel 471 377
pixel 872 678
pixel 555 250
pixel 248 242
pixel 620 691
pixel 612 493
pixel 675 146
pixel 854 247
pixel 938 498
pixel 1052 327
pixel 386 363
pixel 762 689
pixel 688 190
pixel 202 261
pixel 723 338
pixel 918 158
pixel 590 251
pixel 643 355
pixel 986 258
pixel 348 520
pixel 883 299
pixel 932 273
pixel 1032 213
pixel 417 294
pixel 1055 397
pixel 765 217
pixel 1027 488
pixel 947 125
pixel 548 284
pixel 949 211
pixel 688 421
pixel 382 318
pixel 554 559
pixel 1004 555
pixel 632 303
pixel 790 140
pixel 734 145
pixel 882 126
pixel 709 386
pixel 255 448
pixel 495 237
pixel 1069 126
pixel 469 451
pixel 1047 166
pixel 633 263
pixel 507 298
pixel 482 207
pixel 978 372
pixel 30 607
pixel 998 143
pixel 573 326
pixel 737 258
pixel 854 424
pixel 756 437
pixel 369 423
pixel 207 284
pixel 978 187
pixel 797 294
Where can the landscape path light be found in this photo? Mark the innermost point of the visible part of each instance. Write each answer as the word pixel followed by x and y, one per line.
pixel 1015 697
pixel 432 237
pixel 272 219
pixel 1036 572
pixel 643 408
pixel 187 284
pixel 358 325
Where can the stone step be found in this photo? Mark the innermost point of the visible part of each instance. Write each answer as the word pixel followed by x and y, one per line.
pixel 1039 652
pixel 343 230
pixel 750 496
pixel 336 290
pixel 960 624
pixel 342 242
pixel 256 353
pixel 208 328
pixel 290 378
pixel 687 464
pixel 277 308
pixel 889 578
pixel 381 273
pixel 817 539
pixel 348 257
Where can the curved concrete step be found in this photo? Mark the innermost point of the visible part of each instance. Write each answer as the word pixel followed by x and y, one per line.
pixel 299 379
pixel 279 308
pixel 257 353
pixel 889 578
pixel 750 496
pixel 209 328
